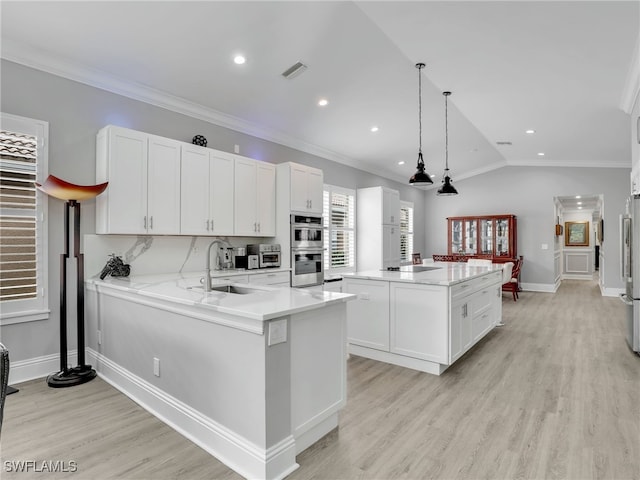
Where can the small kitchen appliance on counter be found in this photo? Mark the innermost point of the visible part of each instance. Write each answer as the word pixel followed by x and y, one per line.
pixel 240 257
pixel 630 259
pixel 268 254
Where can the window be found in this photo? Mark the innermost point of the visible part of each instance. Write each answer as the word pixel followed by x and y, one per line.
pixel 406 231
pixel 339 207
pixel 23 229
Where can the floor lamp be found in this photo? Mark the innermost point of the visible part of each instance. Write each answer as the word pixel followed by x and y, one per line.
pixel 71 194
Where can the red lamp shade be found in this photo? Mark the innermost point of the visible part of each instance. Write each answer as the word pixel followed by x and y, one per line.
pixel 55 187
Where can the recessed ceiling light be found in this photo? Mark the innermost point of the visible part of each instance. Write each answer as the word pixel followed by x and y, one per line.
pixel 401 162
pixel 578 196
pixel 579 203
pixel 323 102
pixel 530 132
pixel 579 208
pixel 541 154
pixel 374 129
pixel 239 59
pixel 432 176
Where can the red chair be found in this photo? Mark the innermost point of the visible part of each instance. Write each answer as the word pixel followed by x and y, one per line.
pixel 511 284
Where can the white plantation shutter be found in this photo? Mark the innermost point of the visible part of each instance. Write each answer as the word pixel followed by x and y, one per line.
pixel 406 231
pixel 339 226
pixel 22 233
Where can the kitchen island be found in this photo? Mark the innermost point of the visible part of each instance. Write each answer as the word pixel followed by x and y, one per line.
pixel 253 377
pixel 422 317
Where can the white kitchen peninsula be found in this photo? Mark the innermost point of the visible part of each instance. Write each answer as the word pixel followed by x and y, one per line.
pixel 421 317
pixel 253 377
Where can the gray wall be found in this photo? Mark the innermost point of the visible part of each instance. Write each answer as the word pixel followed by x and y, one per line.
pixel 528 192
pixel 75 113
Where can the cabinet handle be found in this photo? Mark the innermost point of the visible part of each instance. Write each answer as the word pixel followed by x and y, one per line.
pixel 310 203
pixel 145 222
pixel 207 225
pixel 258 227
pixel 212 225
pixel 255 227
pixel 151 222
pixel 464 310
pixel 392 217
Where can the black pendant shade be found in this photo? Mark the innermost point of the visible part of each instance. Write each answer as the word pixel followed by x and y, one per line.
pixel 420 178
pixel 446 188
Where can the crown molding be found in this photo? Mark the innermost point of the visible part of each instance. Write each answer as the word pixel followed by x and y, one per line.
pixel 569 163
pixel 631 89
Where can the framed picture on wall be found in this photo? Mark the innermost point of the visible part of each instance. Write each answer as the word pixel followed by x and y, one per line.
pixel 576 234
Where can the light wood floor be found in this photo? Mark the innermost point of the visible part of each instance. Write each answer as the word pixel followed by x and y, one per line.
pixel 553 394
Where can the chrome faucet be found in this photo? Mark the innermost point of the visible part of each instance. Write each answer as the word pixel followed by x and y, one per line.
pixel 207 270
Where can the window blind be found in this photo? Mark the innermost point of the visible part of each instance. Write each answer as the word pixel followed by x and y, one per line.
pixel 406 232
pixel 18 210
pixel 339 221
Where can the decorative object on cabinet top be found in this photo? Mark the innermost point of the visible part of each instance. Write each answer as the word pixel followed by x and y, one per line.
pixel 199 140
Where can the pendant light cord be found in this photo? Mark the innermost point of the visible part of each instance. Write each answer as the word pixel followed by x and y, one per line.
pixel 446 133
pixel 420 66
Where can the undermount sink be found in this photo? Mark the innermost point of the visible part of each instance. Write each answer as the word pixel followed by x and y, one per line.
pixel 233 289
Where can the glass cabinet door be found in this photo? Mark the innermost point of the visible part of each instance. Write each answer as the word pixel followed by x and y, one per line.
pixel 502 237
pixel 486 236
pixel 471 237
pixel 456 236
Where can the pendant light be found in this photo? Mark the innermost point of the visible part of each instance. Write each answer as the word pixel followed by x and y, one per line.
pixel 446 188
pixel 420 178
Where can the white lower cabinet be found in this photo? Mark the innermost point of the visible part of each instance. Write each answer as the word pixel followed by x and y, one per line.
pixel 368 316
pixel 272 278
pixel 419 325
pixel 425 327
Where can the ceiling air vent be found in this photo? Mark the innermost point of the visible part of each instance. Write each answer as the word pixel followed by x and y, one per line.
pixel 294 70
pixel 504 143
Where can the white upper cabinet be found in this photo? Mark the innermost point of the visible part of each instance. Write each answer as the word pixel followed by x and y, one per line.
pixel 255 198
pixel 159 186
pixel 390 206
pixel 378 228
pixel 143 172
pixel 163 186
pixel 305 185
pixel 207 179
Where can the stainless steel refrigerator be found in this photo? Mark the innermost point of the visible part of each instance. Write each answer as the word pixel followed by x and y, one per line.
pixel 630 266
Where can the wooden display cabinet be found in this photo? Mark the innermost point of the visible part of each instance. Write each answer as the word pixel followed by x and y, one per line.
pixel 489 236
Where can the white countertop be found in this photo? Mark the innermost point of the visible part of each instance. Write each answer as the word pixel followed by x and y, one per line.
pixel 266 303
pixel 445 274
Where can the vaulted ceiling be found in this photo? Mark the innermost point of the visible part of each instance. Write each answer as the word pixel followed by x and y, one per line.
pixel 559 68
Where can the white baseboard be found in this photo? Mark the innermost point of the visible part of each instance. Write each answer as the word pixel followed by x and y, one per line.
pixel 539 287
pixel 577 276
pixel 239 454
pixel 611 292
pixel 38 367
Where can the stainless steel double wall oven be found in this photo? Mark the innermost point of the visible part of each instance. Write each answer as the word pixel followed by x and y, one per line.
pixel 307 251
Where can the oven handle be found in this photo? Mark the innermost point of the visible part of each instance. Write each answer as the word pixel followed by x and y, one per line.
pixel 308 249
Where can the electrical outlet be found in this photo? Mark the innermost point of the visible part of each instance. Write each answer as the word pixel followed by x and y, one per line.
pixel 236 148
pixel 277 332
pixel 156 366
pixel 99 337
